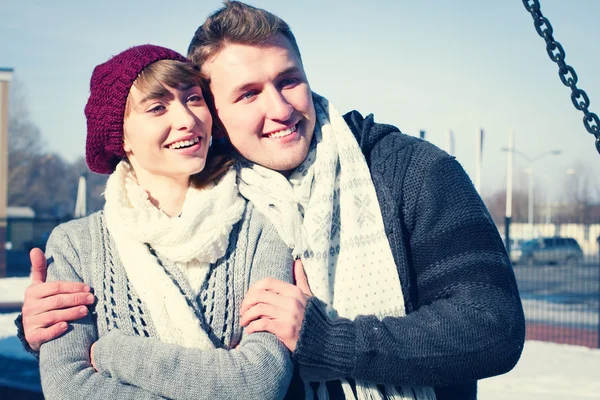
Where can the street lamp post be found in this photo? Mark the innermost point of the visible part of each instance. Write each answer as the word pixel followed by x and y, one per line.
pixel 530 160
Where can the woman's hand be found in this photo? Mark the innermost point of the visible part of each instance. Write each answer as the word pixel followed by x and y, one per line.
pixel 92 356
pixel 277 307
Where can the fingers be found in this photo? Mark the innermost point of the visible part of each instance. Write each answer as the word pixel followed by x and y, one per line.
pixel 274 306
pixel 300 278
pixel 261 310
pixel 287 334
pixel 49 318
pixel 37 337
pixel 47 307
pixel 57 302
pixel 49 325
pixel 257 295
pixel 38 266
pixel 273 286
pixel 92 356
pixel 46 289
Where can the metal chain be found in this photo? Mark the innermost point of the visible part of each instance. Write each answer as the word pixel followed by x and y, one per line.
pixel 566 73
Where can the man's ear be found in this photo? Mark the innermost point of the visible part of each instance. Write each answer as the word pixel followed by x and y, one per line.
pixel 218 130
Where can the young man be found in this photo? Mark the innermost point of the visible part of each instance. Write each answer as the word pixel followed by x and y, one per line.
pixel 411 284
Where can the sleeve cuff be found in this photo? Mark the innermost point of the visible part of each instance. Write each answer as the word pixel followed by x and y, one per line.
pixel 21 336
pixel 324 343
pixel 103 352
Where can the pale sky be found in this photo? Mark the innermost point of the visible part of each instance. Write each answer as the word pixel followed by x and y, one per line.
pixel 420 65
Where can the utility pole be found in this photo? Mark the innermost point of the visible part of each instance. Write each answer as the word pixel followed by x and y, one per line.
pixel 509 188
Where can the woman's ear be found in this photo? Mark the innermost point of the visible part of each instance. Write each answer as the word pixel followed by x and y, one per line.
pixel 126 145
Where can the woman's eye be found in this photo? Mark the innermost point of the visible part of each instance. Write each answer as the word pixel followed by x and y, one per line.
pixel 156 109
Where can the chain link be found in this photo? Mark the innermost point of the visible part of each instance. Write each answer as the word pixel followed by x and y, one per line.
pixel 566 73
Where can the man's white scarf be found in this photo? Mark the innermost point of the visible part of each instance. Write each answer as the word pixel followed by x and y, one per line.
pixel 328 213
pixel 196 239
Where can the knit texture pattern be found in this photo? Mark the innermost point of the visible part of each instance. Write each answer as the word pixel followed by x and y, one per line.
pixel 105 109
pixel 132 362
pixel 464 317
pixel 195 239
pixel 327 211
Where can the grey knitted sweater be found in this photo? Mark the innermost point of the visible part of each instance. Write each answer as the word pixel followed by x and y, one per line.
pixel 132 362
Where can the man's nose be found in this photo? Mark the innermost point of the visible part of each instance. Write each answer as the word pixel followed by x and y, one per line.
pixel 278 107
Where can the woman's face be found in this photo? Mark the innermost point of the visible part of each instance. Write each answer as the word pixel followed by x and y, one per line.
pixel 167 134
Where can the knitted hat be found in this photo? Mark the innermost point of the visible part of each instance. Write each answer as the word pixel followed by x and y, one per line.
pixel 105 109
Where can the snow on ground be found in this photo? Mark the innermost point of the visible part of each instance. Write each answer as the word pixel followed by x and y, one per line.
pixel 546 371
pixel 10 346
pixel 12 290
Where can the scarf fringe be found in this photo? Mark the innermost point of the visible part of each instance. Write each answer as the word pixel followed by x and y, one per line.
pixel 309 394
pixel 322 393
pixel 347 388
pixel 327 211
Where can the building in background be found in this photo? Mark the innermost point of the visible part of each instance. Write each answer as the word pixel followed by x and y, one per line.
pixel 5 78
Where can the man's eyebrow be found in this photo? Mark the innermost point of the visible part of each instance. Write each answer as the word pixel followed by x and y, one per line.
pixel 246 86
pixel 186 86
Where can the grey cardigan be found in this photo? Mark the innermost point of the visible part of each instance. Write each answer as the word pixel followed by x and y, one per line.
pixel 132 363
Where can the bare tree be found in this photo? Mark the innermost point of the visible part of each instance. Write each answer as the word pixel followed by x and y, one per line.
pixel 24 138
pixel 580 195
pixel 42 181
pixel 496 204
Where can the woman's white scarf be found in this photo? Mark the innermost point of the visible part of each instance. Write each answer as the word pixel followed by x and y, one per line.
pixel 328 213
pixel 198 238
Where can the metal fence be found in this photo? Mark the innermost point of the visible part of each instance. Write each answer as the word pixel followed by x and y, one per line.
pixel 558 273
pixel 557 269
pixel 21 235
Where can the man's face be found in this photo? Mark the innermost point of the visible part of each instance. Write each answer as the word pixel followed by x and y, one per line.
pixel 263 99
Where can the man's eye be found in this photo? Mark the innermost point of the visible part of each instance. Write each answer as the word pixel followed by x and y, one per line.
pixel 195 98
pixel 289 82
pixel 249 95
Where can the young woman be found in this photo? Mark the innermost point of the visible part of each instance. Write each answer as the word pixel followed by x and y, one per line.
pixel 171 255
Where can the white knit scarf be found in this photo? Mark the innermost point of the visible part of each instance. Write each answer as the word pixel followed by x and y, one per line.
pixel 199 237
pixel 328 213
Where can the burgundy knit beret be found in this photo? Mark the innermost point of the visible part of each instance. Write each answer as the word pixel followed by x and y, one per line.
pixel 105 109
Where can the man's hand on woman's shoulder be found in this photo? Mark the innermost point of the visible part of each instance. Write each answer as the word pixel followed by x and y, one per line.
pixel 49 305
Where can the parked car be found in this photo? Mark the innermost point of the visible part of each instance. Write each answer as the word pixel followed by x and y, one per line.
pixel 548 250
pixel 515 250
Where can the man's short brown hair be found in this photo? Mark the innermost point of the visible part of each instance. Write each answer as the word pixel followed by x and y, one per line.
pixel 237 23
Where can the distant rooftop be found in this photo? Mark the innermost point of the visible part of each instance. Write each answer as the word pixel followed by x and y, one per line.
pixel 5 69
pixel 20 212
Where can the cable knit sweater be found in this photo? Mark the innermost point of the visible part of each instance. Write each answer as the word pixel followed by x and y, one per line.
pixel 464 316
pixel 132 363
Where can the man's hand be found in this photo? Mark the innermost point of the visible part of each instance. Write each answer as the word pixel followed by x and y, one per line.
pixel 48 305
pixel 278 307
